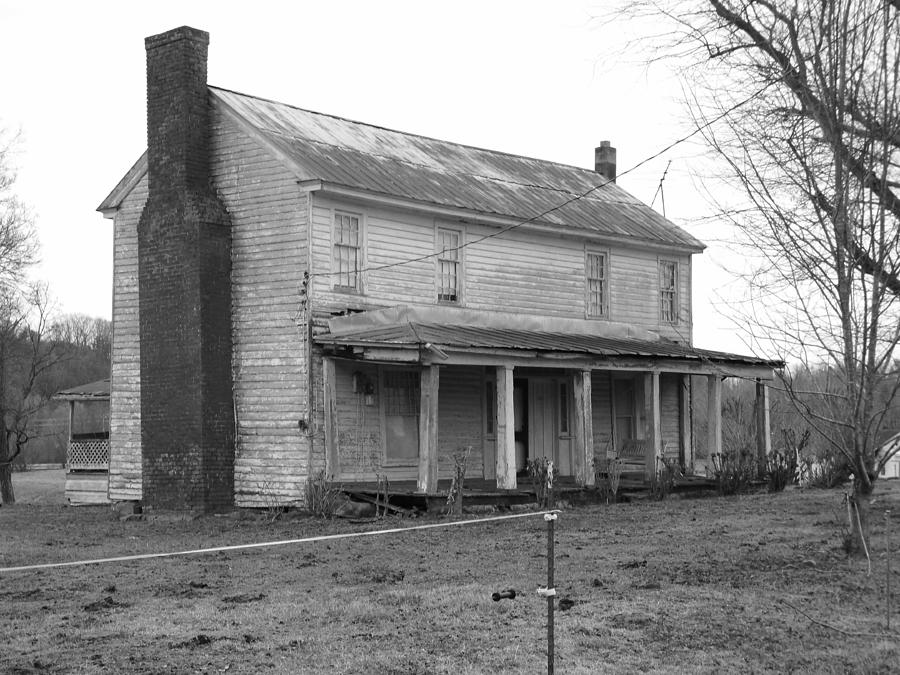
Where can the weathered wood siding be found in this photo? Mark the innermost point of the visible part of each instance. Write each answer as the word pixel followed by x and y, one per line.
pixel 361 431
pixel 518 271
pixel 125 375
pixel 461 419
pixel 601 412
pixel 669 412
pixel 269 258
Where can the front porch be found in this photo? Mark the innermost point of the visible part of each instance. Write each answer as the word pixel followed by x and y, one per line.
pixel 406 496
pixel 87 450
pixel 402 397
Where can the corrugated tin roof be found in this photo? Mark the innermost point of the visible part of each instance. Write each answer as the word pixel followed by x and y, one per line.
pixel 98 390
pixel 387 162
pixel 471 337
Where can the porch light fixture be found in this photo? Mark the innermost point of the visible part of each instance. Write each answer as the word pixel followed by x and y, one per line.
pixel 440 353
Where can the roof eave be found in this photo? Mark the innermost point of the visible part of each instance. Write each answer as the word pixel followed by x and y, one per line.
pixel 114 199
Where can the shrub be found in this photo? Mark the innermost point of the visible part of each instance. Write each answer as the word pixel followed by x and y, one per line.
pixel 734 470
pixel 322 495
pixel 781 467
pixel 542 475
pixel 662 482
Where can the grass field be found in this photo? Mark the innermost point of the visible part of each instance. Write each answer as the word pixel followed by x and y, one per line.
pixel 743 584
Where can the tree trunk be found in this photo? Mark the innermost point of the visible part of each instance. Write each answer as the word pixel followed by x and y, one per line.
pixel 6 487
pixel 858 506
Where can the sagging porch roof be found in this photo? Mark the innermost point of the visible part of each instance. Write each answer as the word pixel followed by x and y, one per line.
pixel 431 342
pixel 93 391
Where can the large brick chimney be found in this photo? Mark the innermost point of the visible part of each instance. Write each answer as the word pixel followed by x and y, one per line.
pixel 184 267
pixel 605 161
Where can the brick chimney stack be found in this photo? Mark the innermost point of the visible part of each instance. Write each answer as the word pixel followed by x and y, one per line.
pixel 184 270
pixel 605 161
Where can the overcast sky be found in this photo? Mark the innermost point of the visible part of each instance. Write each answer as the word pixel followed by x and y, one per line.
pixel 538 79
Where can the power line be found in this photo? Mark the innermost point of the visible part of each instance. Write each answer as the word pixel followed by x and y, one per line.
pixel 571 200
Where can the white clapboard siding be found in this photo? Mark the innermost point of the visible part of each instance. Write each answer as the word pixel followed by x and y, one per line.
pixel 522 272
pixel 125 375
pixel 269 256
pixel 517 271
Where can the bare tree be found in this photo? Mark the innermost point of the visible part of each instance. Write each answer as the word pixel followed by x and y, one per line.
pixel 812 144
pixel 27 355
pixel 22 319
pixel 18 241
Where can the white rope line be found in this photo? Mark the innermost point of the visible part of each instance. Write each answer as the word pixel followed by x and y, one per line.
pixel 285 542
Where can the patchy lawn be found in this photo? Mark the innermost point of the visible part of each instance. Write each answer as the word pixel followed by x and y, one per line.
pixel 690 585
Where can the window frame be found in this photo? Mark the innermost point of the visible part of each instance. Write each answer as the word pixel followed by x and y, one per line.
pixel 673 294
pixel 358 287
pixel 385 375
pixel 588 293
pixel 460 233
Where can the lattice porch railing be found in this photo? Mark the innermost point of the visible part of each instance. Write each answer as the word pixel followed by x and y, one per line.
pixel 88 455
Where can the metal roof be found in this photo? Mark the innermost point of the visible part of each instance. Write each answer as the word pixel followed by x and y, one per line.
pixel 387 162
pixel 98 391
pixel 470 337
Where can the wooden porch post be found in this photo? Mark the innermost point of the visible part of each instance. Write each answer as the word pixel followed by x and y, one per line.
pixel 714 415
pixel 332 455
pixel 506 433
pixel 684 409
pixel 71 427
pixel 653 432
pixel 763 428
pixel 584 429
pixel 428 430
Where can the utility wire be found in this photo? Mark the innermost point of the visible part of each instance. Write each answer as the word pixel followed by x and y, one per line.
pixel 571 200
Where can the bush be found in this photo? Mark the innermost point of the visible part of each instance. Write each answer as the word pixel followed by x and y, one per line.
pixel 542 476
pixel 322 496
pixel 734 470
pixel 662 482
pixel 781 467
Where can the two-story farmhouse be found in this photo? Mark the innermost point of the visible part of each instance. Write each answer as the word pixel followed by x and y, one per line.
pixel 296 292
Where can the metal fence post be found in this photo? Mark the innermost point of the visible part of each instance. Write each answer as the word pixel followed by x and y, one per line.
pixel 551 590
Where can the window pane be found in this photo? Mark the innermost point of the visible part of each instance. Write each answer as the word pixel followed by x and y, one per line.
pixel 346 250
pixel 596 284
pixel 448 265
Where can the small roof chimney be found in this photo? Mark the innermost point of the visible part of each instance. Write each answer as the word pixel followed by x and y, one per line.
pixel 605 161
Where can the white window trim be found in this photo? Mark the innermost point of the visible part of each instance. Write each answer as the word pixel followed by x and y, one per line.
pixel 607 302
pixel 460 231
pixel 677 290
pixel 362 261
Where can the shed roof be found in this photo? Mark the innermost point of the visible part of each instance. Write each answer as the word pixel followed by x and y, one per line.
pixel 93 391
pixel 484 337
pixel 345 153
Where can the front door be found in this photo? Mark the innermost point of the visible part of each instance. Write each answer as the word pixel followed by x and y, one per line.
pixel 544 430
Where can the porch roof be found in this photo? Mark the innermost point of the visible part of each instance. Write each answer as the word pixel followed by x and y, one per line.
pixel 479 339
pixel 93 391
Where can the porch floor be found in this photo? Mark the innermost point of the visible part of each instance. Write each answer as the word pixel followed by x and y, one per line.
pixel 481 492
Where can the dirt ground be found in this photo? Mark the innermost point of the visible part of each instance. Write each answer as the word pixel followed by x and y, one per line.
pixel 756 583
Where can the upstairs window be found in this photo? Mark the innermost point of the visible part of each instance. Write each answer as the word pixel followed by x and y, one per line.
pixel 448 265
pixel 668 291
pixel 597 286
pixel 347 258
